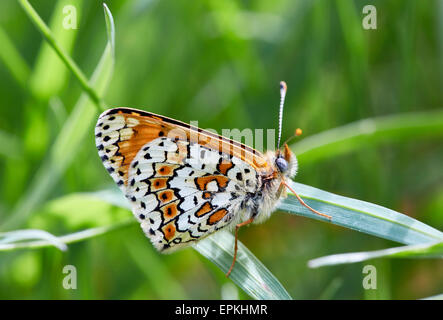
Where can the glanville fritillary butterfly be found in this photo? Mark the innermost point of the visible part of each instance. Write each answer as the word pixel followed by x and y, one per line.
pixel 185 183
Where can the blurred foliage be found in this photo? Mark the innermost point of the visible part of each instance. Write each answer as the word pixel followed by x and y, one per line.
pixel 220 62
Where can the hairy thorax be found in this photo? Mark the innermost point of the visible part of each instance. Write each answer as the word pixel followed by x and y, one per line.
pixel 270 190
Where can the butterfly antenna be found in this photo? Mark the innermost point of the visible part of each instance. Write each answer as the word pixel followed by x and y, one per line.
pixel 298 132
pixel 283 88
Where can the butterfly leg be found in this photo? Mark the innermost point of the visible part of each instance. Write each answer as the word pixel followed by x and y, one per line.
pixel 304 204
pixel 238 226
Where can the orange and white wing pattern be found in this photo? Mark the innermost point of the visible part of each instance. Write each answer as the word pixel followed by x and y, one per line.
pixel 184 183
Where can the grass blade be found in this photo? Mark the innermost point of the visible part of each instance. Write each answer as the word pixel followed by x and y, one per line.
pixel 65 147
pixel 66 239
pixel 13 60
pixel 368 132
pixel 67 60
pixel 432 250
pixel 50 74
pixel 249 273
pixel 9 240
pixel 361 216
pixel 110 27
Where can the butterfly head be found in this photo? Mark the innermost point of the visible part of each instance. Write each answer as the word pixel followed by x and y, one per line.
pixel 286 162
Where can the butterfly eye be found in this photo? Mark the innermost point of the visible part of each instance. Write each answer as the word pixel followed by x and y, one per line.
pixel 281 164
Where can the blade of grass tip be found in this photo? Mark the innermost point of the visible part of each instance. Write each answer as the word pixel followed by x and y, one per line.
pixel 433 250
pixel 8 238
pixel 249 273
pixel 66 145
pixel 110 27
pixel 360 215
pixel 67 60
pixel 12 59
pixel 67 239
pixel 370 131
pixel 436 297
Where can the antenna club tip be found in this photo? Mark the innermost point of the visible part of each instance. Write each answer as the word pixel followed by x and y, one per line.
pixel 298 132
pixel 283 86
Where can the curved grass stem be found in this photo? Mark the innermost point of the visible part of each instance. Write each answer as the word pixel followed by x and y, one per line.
pixel 67 60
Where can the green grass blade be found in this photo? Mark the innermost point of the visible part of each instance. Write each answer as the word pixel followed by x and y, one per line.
pixel 361 216
pixel 367 132
pixel 9 240
pixel 50 73
pixel 110 27
pixel 427 250
pixel 67 239
pixel 13 60
pixel 78 125
pixel 67 60
pixel 249 273
pixel 68 142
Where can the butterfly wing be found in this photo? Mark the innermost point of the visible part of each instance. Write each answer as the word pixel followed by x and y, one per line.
pixel 184 183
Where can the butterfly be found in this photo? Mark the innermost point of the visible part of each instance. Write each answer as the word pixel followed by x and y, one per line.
pixel 185 183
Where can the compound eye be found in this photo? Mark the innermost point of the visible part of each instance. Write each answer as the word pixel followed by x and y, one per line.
pixel 281 164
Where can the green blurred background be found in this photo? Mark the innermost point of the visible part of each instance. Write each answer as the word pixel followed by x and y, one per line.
pixel 220 62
